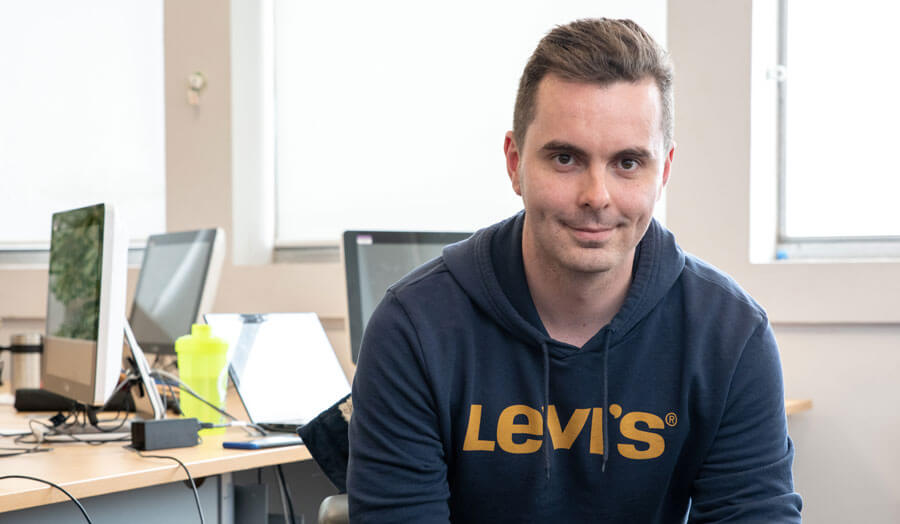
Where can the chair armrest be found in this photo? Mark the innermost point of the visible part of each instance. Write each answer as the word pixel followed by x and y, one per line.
pixel 334 510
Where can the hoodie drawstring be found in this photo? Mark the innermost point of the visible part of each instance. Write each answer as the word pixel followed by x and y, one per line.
pixel 605 430
pixel 546 408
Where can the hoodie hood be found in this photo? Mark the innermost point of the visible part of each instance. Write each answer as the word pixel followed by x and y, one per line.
pixel 658 264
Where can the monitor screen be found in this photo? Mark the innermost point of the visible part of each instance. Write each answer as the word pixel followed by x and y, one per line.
pixel 85 304
pixel 373 260
pixel 76 265
pixel 170 288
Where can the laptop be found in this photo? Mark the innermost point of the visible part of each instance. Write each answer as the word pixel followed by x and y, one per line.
pixel 282 366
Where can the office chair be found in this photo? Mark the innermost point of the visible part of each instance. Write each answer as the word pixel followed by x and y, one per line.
pixel 334 510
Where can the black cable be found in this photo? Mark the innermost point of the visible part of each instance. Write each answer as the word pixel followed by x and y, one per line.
pixel 15 452
pixel 26 477
pixel 80 416
pixel 125 382
pixel 176 402
pixel 34 434
pixel 110 429
pixel 190 478
pixel 189 391
pixel 186 388
pixel 70 429
pixel 287 492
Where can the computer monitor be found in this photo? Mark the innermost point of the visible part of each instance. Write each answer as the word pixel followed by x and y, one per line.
pixel 177 285
pixel 85 304
pixel 373 260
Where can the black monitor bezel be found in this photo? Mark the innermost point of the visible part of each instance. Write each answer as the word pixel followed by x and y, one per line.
pixel 351 269
pixel 179 237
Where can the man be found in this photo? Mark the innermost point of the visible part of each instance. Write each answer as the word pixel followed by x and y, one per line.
pixel 572 364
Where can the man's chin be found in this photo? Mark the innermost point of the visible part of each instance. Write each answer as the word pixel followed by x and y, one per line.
pixel 592 263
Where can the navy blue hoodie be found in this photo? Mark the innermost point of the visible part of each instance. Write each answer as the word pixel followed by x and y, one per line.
pixel 466 410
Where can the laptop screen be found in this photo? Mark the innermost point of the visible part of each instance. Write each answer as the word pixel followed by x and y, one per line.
pixel 282 365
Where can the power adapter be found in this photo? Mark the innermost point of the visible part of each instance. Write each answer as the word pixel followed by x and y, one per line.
pixel 147 435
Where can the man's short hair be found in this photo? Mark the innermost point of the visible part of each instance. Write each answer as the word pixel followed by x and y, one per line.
pixel 601 51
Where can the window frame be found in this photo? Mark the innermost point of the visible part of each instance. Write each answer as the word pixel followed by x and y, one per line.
pixel 821 248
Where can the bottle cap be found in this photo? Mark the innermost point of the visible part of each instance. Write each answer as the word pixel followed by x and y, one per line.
pixel 200 341
pixel 201 330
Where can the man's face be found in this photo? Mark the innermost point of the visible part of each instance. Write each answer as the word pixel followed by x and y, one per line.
pixel 591 169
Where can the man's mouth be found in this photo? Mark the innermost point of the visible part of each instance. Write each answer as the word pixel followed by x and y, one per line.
pixel 591 233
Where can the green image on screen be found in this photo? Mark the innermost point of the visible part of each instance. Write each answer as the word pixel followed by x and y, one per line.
pixel 75 272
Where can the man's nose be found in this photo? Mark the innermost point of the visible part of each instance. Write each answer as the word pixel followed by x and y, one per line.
pixel 594 191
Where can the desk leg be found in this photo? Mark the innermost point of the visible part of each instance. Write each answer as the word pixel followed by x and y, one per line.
pixel 226 498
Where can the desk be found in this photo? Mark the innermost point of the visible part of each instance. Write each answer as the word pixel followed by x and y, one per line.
pixel 90 471
pixel 796 405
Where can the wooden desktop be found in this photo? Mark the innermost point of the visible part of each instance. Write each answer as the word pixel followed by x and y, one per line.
pixel 90 470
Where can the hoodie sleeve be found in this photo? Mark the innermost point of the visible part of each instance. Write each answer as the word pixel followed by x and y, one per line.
pixel 397 470
pixel 746 476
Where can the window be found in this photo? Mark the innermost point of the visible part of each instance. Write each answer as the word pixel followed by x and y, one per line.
pixel 391 115
pixel 838 129
pixel 83 114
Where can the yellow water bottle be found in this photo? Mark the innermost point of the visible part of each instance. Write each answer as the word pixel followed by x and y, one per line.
pixel 202 365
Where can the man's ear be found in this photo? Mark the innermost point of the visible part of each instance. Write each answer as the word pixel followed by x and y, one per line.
pixel 667 168
pixel 511 150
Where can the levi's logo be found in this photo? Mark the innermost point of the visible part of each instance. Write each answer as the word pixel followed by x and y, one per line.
pixel 519 420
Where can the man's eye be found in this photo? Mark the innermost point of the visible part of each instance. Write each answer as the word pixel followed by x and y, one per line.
pixel 565 159
pixel 629 164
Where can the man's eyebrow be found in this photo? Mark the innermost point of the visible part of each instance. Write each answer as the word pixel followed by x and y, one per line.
pixel 565 147
pixel 638 152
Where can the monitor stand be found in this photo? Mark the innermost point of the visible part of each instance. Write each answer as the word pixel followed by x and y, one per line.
pixel 147 402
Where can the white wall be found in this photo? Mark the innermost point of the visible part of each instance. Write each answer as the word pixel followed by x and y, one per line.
pixel 838 325
pixel 847 457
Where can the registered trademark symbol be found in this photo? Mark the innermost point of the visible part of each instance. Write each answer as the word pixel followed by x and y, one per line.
pixel 671 419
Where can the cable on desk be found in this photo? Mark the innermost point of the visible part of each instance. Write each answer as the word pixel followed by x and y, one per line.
pixel 15 452
pixel 26 477
pixel 189 391
pixel 190 478
pixel 185 387
pixel 66 425
pixel 38 435
pixel 175 401
pixel 79 416
pixel 285 494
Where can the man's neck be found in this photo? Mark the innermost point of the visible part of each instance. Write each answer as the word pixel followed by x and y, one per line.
pixel 574 306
